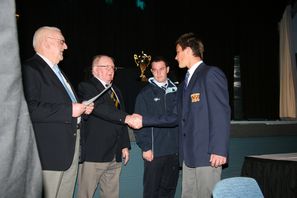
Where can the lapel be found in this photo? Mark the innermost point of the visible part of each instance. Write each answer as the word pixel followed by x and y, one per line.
pixel 186 94
pixel 73 90
pixel 195 76
pixel 49 73
pixel 107 95
pixel 97 84
pixel 99 87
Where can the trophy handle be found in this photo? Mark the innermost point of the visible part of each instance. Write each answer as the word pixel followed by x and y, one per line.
pixel 149 59
pixel 136 59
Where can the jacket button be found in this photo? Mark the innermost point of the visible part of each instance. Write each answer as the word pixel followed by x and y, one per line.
pixel 184 135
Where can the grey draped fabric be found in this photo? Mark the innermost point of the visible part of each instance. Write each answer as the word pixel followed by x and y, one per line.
pixel 20 169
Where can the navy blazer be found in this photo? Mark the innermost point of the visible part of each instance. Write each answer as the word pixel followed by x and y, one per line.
pixel 50 109
pixel 105 133
pixel 203 116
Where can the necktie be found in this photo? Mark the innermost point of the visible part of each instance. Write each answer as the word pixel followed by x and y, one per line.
pixel 113 96
pixel 60 76
pixel 187 79
pixel 115 100
pixel 164 87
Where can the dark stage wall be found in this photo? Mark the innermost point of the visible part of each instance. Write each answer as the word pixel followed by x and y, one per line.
pixel 248 29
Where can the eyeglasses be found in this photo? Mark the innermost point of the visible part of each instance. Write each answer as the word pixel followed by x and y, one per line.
pixel 108 67
pixel 62 42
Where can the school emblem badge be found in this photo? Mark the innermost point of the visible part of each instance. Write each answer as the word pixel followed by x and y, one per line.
pixel 195 97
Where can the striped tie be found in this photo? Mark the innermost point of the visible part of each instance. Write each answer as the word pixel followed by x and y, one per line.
pixel 186 79
pixel 113 96
pixel 164 87
pixel 115 100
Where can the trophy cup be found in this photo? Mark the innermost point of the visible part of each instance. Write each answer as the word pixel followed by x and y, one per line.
pixel 143 60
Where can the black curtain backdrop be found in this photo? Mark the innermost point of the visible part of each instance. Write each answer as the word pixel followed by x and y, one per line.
pixel 248 29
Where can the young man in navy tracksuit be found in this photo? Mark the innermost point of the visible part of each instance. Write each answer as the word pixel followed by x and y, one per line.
pixel 159 145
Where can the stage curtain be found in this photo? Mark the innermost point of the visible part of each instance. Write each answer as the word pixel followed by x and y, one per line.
pixel 287 68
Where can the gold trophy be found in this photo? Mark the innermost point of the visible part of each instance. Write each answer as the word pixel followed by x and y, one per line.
pixel 143 60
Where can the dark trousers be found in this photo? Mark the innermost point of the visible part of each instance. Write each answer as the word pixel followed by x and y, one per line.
pixel 160 177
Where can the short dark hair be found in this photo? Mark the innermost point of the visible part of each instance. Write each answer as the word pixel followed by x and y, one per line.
pixel 160 58
pixel 192 41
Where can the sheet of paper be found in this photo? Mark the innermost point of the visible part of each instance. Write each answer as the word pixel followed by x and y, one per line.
pixel 87 102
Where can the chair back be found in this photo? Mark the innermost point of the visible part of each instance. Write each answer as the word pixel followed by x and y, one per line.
pixel 239 187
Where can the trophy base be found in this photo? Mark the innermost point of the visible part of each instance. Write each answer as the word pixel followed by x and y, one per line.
pixel 143 78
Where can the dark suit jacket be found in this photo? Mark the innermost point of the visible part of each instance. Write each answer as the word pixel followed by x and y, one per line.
pixel 50 110
pixel 105 134
pixel 203 116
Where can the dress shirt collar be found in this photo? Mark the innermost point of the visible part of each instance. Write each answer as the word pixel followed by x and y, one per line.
pixel 103 82
pixel 50 63
pixel 193 68
pixel 161 84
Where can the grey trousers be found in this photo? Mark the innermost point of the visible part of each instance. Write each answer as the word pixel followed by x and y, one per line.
pixel 199 182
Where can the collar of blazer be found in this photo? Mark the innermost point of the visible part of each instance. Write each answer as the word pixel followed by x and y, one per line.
pixel 97 83
pixel 99 87
pixel 195 74
pixel 50 73
pixel 53 77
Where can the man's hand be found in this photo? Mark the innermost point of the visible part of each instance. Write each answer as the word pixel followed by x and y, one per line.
pixel 77 109
pixel 148 155
pixel 134 121
pixel 80 108
pixel 89 108
pixel 125 155
pixel 217 160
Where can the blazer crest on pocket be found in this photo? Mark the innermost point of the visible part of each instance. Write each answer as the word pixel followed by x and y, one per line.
pixel 195 97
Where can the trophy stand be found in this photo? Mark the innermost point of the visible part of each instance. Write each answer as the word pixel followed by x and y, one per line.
pixel 142 76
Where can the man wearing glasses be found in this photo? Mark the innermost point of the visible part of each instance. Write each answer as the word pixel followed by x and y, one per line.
pixel 105 140
pixel 55 113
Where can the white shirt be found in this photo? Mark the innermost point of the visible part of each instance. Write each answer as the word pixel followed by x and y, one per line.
pixel 161 84
pixel 192 70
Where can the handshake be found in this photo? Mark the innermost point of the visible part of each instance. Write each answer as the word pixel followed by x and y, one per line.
pixel 134 121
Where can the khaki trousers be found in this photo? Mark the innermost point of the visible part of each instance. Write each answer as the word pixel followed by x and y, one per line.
pixel 105 174
pixel 60 184
pixel 199 182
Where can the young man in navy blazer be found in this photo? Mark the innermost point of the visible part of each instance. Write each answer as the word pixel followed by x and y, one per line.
pixel 203 117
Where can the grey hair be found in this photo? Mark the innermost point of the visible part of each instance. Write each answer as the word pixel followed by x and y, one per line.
pixel 39 34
